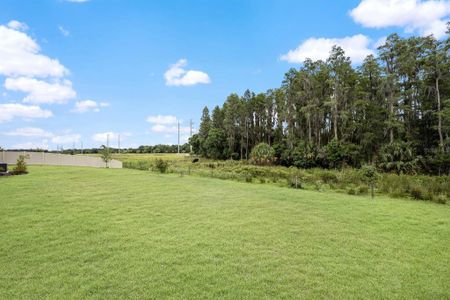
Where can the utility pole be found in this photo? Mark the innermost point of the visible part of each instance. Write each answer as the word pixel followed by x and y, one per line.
pixel 178 137
pixel 118 144
pixel 190 135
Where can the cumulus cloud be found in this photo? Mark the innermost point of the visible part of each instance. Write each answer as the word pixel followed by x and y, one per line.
pixel 40 91
pixel 166 124
pixel 20 56
pixel 424 17
pixel 160 119
pixel 160 128
pixel 357 47
pixel 176 75
pixel 113 137
pixel 29 132
pixel 10 111
pixel 88 106
pixel 63 31
pixel 66 139
pixel 16 25
pixel 32 145
pixel 34 132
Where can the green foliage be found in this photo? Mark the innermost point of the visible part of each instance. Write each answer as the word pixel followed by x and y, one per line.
pixel 417 192
pixel 393 110
pixel 105 154
pixel 360 180
pixel 441 199
pixel 370 175
pixel 21 166
pixel 215 144
pixel 304 156
pixel 398 157
pixel 161 165
pixel 262 154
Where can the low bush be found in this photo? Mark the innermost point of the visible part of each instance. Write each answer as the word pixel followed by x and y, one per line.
pixel 295 183
pixel 21 166
pixel 363 189
pixel 161 165
pixel 440 199
pixel 318 185
pixel 351 191
pixel 417 193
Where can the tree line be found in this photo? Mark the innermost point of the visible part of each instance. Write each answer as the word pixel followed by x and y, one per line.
pixel 392 111
pixel 159 148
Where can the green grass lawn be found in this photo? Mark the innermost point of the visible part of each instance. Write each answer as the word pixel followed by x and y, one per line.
pixel 101 233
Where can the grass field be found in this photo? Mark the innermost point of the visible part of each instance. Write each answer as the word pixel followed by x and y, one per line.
pixel 102 233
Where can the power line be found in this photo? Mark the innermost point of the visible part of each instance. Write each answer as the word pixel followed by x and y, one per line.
pixel 118 144
pixel 178 137
pixel 190 134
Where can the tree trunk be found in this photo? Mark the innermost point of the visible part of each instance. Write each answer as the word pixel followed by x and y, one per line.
pixel 242 147
pixel 246 148
pixel 438 96
pixel 391 109
pixel 309 131
pixel 335 118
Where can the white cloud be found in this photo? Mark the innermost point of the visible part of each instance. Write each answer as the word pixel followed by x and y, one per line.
pixel 33 132
pixel 357 47
pixel 177 76
pixel 425 17
pixel 66 139
pixel 160 128
pixel 103 136
pixel 16 25
pixel 88 105
pixel 32 145
pixel 63 31
pixel 160 119
pixel 19 56
pixel 40 91
pixel 10 111
pixel 29 132
pixel 166 124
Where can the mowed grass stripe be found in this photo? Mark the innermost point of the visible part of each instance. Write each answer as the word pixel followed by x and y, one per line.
pixel 82 232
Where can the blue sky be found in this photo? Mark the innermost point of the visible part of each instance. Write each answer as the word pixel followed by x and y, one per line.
pixel 72 71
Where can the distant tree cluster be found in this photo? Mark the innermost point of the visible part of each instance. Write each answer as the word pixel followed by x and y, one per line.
pixel 185 148
pixel 393 110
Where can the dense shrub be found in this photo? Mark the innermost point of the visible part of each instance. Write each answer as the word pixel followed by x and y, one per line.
pixel 362 189
pixel 441 199
pixel 304 156
pixel 262 154
pixel 161 165
pixel 21 166
pixel 399 157
pixel 417 193
pixel 370 176
pixel 351 191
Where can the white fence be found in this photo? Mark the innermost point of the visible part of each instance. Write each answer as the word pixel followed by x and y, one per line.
pixel 56 159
